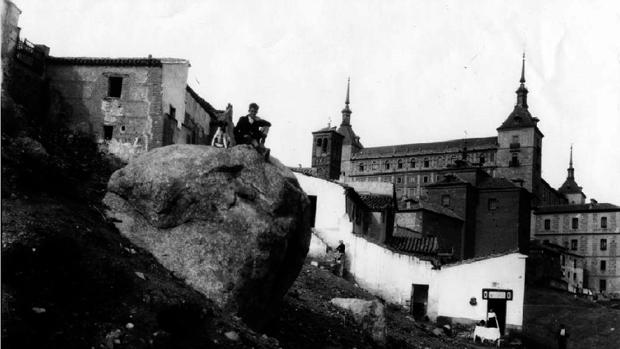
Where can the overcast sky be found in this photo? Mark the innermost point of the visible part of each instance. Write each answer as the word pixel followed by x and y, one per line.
pixel 421 71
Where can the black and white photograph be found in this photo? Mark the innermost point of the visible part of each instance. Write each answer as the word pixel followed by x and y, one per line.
pixel 300 174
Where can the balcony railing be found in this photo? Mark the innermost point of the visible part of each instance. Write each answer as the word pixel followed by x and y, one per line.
pixel 515 145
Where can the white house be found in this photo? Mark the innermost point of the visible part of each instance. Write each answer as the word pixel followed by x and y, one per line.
pixel 461 292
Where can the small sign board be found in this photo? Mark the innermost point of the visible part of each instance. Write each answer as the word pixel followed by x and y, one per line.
pixel 491 293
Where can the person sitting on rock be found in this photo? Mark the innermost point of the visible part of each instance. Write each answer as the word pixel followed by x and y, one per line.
pixel 221 139
pixel 253 130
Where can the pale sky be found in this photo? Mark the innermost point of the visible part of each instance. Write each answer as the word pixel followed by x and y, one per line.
pixel 421 71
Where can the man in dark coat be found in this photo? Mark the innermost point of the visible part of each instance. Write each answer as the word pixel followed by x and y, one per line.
pixel 251 129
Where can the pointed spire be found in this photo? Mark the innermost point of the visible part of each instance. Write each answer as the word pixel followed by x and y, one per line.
pixel 522 91
pixel 346 112
pixel 571 170
pixel 348 88
pixel 523 70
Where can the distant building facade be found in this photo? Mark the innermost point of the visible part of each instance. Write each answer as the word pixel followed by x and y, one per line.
pixel 555 266
pixel 131 104
pixel 514 154
pixel 591 230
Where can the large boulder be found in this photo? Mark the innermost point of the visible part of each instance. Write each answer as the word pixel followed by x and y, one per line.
pixel 370 314
pixel 232 225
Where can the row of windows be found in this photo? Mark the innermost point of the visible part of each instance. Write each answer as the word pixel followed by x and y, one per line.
pixel 575 223
pixel 322 144
pixel 574 242
pixel 492 203
pixel 413 163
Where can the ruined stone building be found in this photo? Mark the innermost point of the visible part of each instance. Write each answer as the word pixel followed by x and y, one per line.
pixel 131 104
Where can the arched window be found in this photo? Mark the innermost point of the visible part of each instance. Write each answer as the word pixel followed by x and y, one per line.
pixel 400 163
pixel 325 145
pixel 361 167
pixel 387 165
pixel 318 142
pixel 374 165
pixel 412 163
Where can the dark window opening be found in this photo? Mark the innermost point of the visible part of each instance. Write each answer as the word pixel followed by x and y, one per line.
pixel 602 285
pixel 514 162
pixel 603 244
pixel 547 224
pixel 563 260
pixel 123 128
pixel 604 222
pixel 400 164
pixel 173 112
pixel 399 180
pixel 426 163
pixel 387 165
pixel 575 263
pixel 318 142
pixel 115 86
pixel 361 167
pixel 482 159
pixel 573 244
pixel 325 146
pixel 108 131
pixel 412 163
pixel 492 204
pixel 574 276
pixel 425 179
pixel 575 223
pixel 445 200
pixel 603 265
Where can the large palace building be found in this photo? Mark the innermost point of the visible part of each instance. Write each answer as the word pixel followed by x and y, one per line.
pixel 514 154
pixel 492 184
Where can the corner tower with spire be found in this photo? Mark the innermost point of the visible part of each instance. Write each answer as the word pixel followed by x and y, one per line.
pixel 570 189
pixel 351 142
pixel 520 144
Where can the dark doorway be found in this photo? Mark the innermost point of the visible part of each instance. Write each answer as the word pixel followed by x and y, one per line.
pixel 498 306
pixel 312 209
pixel 419 301
pixel 108 131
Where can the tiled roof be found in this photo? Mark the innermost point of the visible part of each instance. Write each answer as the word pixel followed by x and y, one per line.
pixel 454 145
pixel 327 129
pixel 570 187
pixel 349 136
pixel 308 171
pixel 537 244
pixel 99 61
pixel 598 207
pixel 204 104
pixel 377 202
pixel 481 258
pixel 426 245
pixel 429 206
pixel 520 117
pixel 496 183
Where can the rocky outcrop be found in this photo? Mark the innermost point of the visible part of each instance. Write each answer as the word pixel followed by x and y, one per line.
pixel 370 314
pixel 232 225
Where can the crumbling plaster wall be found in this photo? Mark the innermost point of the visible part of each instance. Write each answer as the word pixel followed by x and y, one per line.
pixel 135 116
pixel 200 118
pixel 174 82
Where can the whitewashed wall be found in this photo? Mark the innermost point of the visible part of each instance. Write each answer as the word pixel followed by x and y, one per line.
pixel 455 285
pixel 385 273
pixel 390 275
